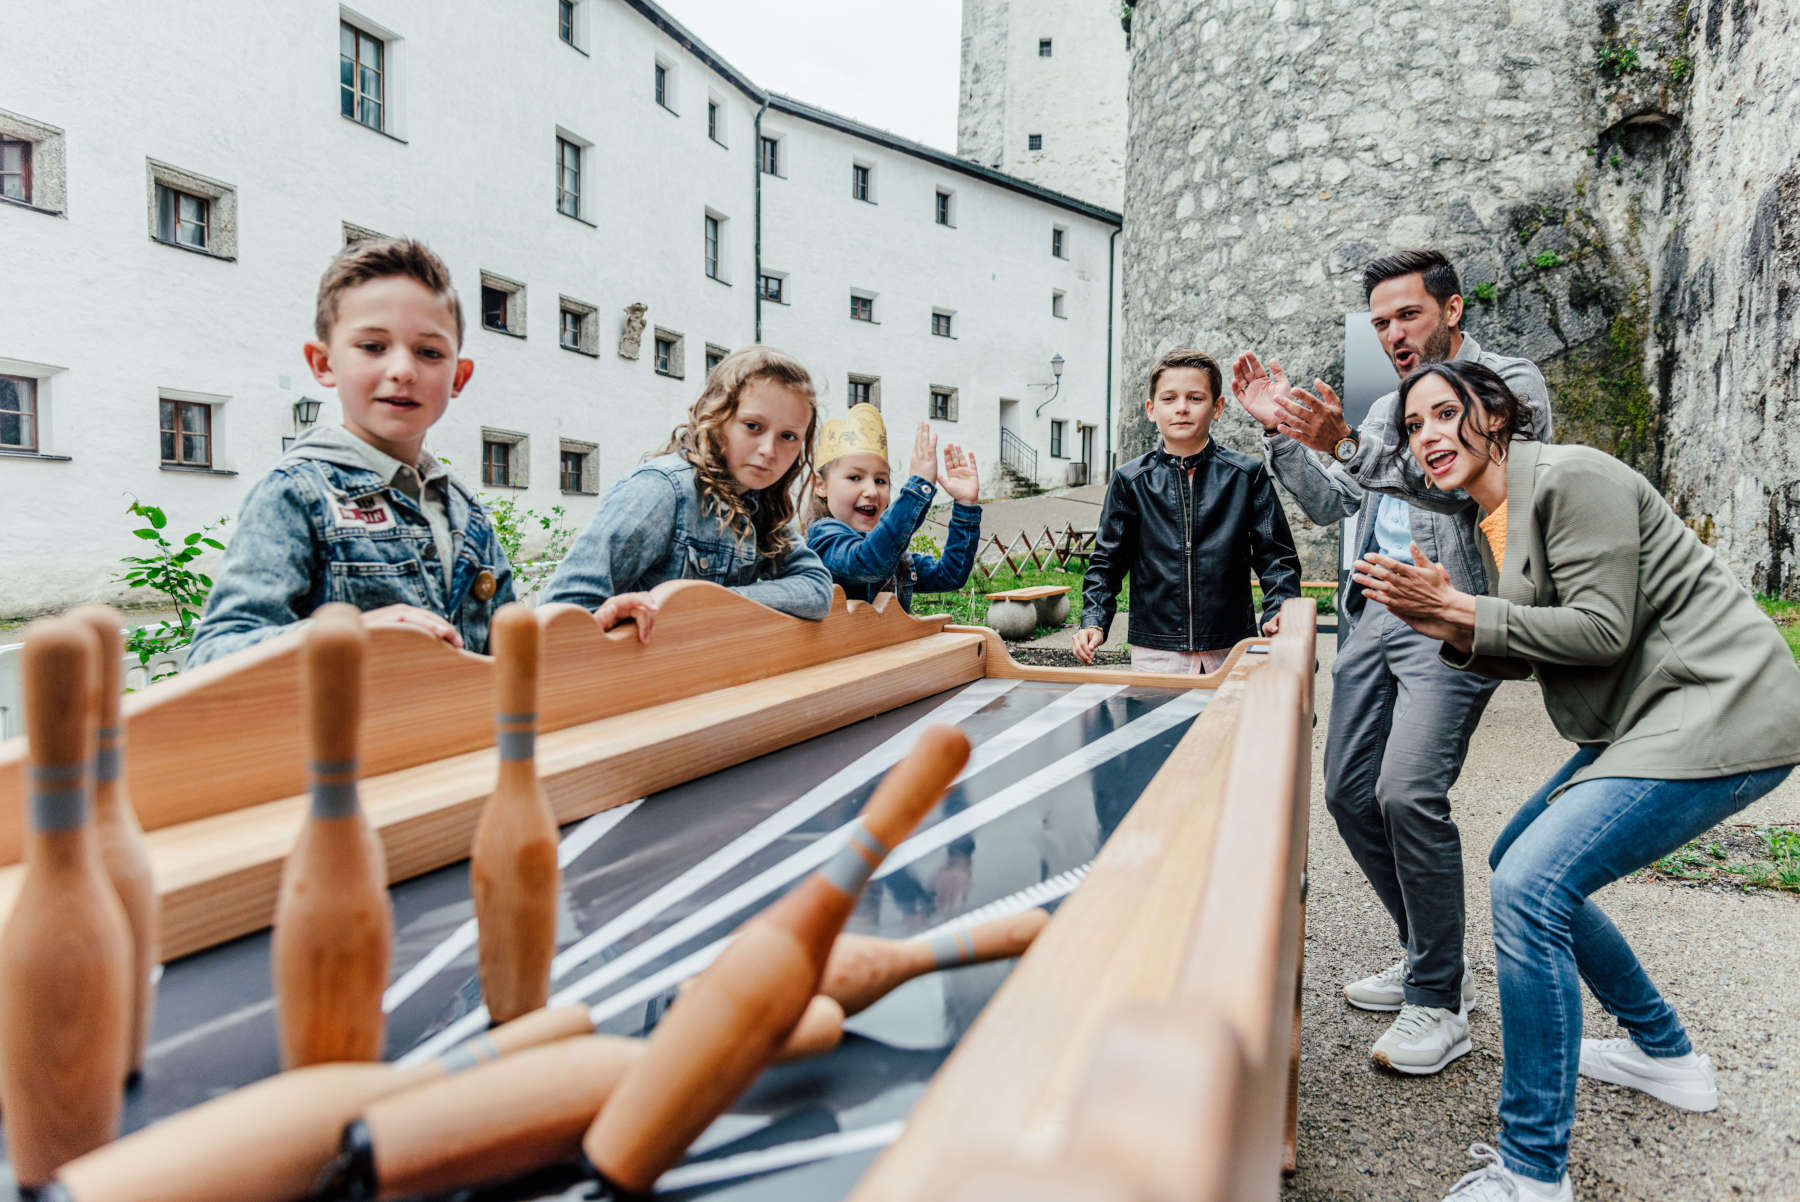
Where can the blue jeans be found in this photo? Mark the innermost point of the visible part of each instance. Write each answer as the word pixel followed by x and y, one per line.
pixel 1547 863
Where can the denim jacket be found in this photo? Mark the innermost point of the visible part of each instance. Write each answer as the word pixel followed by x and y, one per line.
pixel 323 526
pixel 877 562
pixel 651 527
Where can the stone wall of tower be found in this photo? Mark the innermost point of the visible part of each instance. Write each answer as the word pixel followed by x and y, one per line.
pixel 1615 180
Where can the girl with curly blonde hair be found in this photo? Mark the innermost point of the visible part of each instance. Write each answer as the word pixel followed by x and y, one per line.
pixel 717 503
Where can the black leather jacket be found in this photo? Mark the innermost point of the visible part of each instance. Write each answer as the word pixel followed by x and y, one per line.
pixel 1189 548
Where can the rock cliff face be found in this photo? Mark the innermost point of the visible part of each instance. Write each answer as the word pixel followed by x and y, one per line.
pixel 1618 183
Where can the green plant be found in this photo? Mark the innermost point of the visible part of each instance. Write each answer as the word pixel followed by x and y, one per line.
pixel 1548 259
pixel 1614 160
pixel 512 525
pixel 1680 68
pixel 168 573
pixel 1618 58
pixel 1485 293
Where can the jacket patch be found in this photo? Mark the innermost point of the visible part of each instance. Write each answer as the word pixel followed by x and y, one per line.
pixel 365 515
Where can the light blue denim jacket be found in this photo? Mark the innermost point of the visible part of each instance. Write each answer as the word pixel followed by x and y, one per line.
pixel 867 565
pixel 322 526
pixel 651 527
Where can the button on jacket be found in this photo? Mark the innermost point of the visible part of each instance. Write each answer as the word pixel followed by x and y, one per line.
pixel 1189 547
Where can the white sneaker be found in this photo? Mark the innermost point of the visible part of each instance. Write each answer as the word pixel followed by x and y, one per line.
pixel 1386 990
pixel 1423 1040
pixel 1494 1182
pixel 1683 1081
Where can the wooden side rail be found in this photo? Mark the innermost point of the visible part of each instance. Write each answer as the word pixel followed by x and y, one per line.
pixel 227 734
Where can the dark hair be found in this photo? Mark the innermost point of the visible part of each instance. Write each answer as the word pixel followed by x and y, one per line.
pixel 1184 356
pixel 379 258
pixel 1480 389
pixel 1430 266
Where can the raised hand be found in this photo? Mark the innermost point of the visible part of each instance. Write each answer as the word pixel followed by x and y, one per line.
pixel 961 479
pixel 1315 420
pixel 924 454
pixel 1260 391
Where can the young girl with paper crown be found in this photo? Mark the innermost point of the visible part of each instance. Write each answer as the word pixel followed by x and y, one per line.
pixel 716 504
pixel 861 537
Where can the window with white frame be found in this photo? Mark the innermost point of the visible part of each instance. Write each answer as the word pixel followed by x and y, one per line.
pixel 505 459
pixel 578 472
pixel 192 211
pixel 768 154
pixel 944 213
pixel 362 75
pixel 1056 304
pixel 1057 449
pixel 502 304
pixel 864 390
pixel 862 306
pixel 566 22
pixel 189 429
pixel 943 404
pixel 773 286
pixel 715 120
pixel 940 322
pixel 664 78
pixel 715 246
pixel 579 326
pixel 18 413
pixel 862 182
pixel 568 177
pixel 1059 241
pixel 670 353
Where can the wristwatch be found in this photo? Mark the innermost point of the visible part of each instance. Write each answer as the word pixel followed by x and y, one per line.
pixel 1345 450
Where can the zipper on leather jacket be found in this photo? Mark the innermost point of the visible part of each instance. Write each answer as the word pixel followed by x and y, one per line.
pixel 1187 548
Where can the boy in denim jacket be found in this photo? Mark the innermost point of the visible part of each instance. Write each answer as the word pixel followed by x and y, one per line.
pixel 362 513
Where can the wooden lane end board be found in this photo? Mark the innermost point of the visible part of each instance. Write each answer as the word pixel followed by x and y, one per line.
pixel 1000 663
pixel 228 734
pixel 218 876
pixel 1006 1092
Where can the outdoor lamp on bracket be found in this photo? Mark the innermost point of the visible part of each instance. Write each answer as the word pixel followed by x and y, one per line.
pixel 1056 366
pixel 306 412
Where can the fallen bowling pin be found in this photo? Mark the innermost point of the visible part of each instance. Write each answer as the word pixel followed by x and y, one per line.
pixel 863 969
pixel 730 1022
pixel 65 953
pixel 120 838
pixel 511 1117
pixel 334 926
pixel 270 1141
pixel 513 874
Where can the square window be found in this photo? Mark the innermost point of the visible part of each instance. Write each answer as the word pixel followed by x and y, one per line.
pixel 18 413
pixel 361 74
pixel 771 286
pixel 568 178
pixel 1058 242
pixel 715 355
pixel 670 354
pixel 505 458
pixel 943 207
pixel 502 305
pixel 1043 47
pixel 496 463
pixel 186 433
pixel 181 217
pixel 1034 141
pixel 859 181
pixel 943 404
pixel 865 390
pixel 578 326
pixel 1056 440
pixel 578 470
pixel 493 308
pixel 565 20
pixel 1056 304
pixel 862 308
pixel 15 168
pixel 31 163
pixel 940 324
pixel 768 154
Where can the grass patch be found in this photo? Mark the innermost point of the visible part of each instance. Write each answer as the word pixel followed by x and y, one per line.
pixel 1786 616
pixel 1739 856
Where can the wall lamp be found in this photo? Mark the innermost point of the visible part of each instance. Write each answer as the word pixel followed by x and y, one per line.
pixel 1056 366
pixel 306 412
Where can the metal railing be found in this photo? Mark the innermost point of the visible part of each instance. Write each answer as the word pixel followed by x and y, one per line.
pixel 1016 455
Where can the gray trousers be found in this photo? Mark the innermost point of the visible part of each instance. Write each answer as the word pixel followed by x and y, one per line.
pixel 1400 726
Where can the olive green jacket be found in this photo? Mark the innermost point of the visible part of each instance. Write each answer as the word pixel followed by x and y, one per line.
pixel 1643 641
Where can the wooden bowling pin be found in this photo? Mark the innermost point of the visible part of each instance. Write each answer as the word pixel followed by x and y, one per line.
pixel 270 1141
pixel 334 927
pixel 513 874
pixel 730 1022
pixel 116 829
pixel 65 954
pixel 862 969
pixel 509 1117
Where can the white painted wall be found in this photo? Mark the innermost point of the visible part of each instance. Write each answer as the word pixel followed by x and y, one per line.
pixel 481 92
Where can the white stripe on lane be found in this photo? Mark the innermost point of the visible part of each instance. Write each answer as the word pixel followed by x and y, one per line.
pixel 781 1156
pixel 462 938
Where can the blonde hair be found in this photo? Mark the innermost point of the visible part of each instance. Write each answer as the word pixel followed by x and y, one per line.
pixel 377 259
pixel 701 441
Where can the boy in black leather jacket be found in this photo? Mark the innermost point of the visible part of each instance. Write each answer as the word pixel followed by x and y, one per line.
pixel 1188 522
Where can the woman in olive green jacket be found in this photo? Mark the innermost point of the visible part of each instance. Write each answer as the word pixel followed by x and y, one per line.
pixel 1679 691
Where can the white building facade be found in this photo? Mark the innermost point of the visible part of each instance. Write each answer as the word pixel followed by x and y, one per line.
pixel 170 195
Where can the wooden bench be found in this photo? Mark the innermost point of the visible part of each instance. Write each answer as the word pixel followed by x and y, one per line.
pixel 1016 612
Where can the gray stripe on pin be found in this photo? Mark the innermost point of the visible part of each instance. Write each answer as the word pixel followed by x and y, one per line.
pixel 334 767
pixel 848 868
pixel 863 837
pixel 59 808
pixel 516 744
pixel 106 763
pixel 333 799
pixel 523 718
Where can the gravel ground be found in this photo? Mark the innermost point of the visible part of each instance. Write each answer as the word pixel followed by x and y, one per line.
pixel 1729 962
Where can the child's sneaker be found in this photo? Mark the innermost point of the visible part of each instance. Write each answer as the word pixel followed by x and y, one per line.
pixel 1423 1040
pixel 1684 1081
pixel 1386 990
pixel 1494 1182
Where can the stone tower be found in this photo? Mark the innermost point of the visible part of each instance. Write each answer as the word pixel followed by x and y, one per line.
pixel 1616 180
pixel 1054 70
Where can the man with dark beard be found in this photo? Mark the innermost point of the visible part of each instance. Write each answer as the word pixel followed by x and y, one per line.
pixel 1400 719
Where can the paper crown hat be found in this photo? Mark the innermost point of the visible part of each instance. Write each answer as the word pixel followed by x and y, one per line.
pixel 860 430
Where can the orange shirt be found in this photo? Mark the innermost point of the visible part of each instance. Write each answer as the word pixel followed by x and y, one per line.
pixel 1494 526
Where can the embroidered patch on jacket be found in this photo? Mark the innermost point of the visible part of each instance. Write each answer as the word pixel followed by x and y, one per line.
pixel 363 515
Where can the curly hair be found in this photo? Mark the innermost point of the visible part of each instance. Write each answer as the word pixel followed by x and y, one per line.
pixel 701 441
pixel 1482 392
